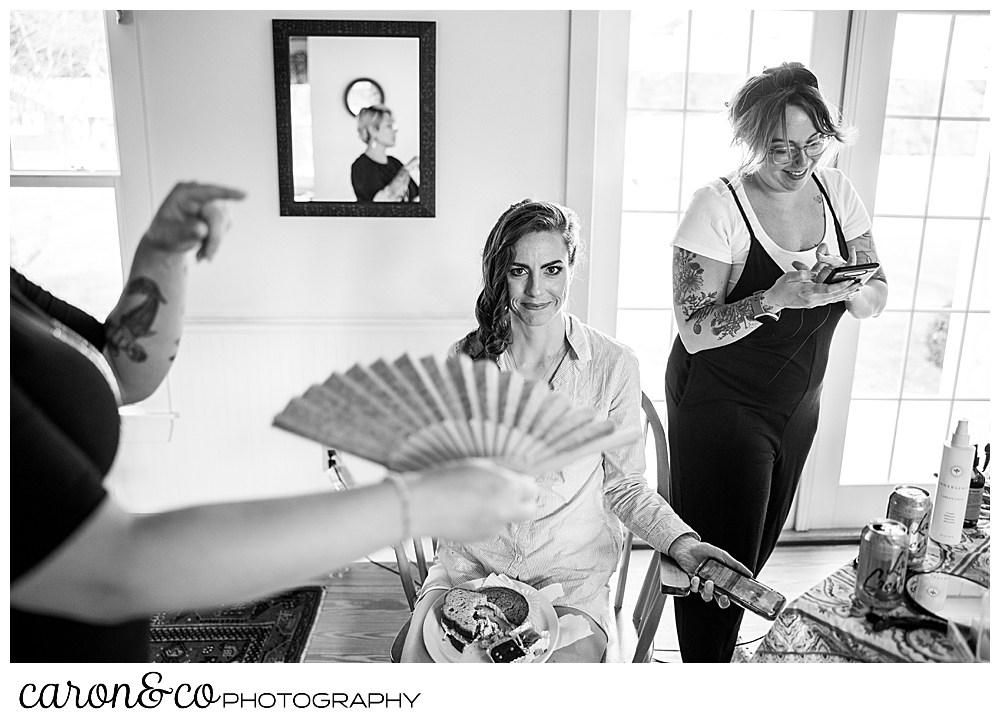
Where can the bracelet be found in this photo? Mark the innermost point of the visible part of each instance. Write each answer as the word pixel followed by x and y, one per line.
pixel 403 492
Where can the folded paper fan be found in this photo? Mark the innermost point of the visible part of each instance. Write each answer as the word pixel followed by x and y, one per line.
pixel 409 416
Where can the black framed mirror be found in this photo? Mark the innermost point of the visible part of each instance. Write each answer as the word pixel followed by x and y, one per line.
pixel 355 117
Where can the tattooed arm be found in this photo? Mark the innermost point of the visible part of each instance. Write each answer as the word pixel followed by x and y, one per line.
pixel 704 321
pixel 870 299
pixel 143 332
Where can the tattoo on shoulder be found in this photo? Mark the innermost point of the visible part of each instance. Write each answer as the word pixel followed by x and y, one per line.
pixel 124 332
pixel 688 288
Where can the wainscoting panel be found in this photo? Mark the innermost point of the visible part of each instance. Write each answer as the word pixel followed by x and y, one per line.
pixel 230 379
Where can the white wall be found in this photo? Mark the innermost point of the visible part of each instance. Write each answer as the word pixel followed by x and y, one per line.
pixel 501 135
pixel 289 299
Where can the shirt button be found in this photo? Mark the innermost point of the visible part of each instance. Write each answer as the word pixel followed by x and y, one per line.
pixel 519 558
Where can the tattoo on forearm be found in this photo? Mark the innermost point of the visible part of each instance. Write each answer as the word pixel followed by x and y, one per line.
pixel 730 319
pixel 123 333
pixel 688 282
pixel 724 321
pixel 699 316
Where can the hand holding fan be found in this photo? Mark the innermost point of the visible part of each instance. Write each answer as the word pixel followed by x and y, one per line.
pixel 409 416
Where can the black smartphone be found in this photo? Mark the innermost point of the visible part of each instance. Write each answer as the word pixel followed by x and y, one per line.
pixel 860 273
pixel 742 590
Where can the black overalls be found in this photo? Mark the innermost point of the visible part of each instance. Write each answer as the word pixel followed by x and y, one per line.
pixel 741 419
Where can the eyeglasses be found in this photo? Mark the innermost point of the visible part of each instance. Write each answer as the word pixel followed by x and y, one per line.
pixel 783 155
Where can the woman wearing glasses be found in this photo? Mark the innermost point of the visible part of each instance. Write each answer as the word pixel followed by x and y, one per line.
pixel 755 322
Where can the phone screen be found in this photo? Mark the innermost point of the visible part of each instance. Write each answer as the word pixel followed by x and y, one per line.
pixel 744 590
pixel 860 273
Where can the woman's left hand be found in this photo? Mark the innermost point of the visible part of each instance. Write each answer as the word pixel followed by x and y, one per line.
pixel 689 553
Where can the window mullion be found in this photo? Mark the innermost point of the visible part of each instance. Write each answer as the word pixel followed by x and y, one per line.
pixel 55 179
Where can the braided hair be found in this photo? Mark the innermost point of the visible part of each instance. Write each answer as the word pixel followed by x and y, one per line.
pixel 758 107
pixel 493 336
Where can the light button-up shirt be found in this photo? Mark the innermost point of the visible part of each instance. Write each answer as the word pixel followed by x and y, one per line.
pixel 576 536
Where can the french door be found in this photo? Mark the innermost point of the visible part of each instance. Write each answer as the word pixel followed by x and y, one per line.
pixel 915 83
pixel 917 87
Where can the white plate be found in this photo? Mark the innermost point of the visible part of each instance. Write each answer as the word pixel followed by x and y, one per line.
pixel 541 614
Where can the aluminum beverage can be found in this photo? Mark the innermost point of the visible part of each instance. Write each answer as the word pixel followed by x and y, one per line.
pixel 912 506
pixel 882 563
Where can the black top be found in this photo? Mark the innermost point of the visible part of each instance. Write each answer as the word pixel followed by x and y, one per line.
pixel 64 431
pixel 777 366
pixel 369 177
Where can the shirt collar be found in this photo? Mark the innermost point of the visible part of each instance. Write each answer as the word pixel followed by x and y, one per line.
pixel 579 344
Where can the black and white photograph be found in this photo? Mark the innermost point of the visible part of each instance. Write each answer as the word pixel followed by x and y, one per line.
pixel 353 336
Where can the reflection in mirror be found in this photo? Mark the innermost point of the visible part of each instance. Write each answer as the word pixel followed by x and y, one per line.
pixel 362 93
pixel 355 105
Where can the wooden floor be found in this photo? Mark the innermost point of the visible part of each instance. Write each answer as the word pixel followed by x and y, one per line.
pixel 360 616
pixel 363 610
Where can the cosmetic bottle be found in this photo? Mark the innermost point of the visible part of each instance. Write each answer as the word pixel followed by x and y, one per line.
pixel 976 485
pixel 953 487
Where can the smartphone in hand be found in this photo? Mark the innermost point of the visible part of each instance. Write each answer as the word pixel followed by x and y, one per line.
pixel 742 590
pixel 860 273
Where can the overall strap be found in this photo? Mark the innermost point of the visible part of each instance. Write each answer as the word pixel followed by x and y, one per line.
pixel 740 207
pixel 841 241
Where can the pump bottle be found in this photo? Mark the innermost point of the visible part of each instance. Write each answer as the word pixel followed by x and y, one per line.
pixel 953 487
pixel 978 482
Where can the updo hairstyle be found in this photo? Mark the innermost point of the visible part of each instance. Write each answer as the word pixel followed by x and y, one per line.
pixel 758 108
pixel 370 117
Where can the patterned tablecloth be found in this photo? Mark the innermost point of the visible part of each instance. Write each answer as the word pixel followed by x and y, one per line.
pixel 827 624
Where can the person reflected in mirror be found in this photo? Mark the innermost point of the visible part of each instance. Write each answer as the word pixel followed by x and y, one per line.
pixel 375 175
pixel 575 537
pixel 86 574
pixel 755 320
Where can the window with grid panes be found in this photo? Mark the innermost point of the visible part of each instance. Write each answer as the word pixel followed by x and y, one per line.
pixel 926 363
pixel 683 67
pixel 64 229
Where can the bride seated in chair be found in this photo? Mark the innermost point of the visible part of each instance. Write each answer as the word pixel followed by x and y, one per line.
pixel 575 537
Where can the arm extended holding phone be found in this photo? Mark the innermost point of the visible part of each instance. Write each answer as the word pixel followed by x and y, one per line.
pixel 741 589
pixel 707 564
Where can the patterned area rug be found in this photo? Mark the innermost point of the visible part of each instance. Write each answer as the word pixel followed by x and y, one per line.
pixel 273 630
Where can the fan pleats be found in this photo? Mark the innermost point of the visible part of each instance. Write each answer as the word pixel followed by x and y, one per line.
pixel 410 416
